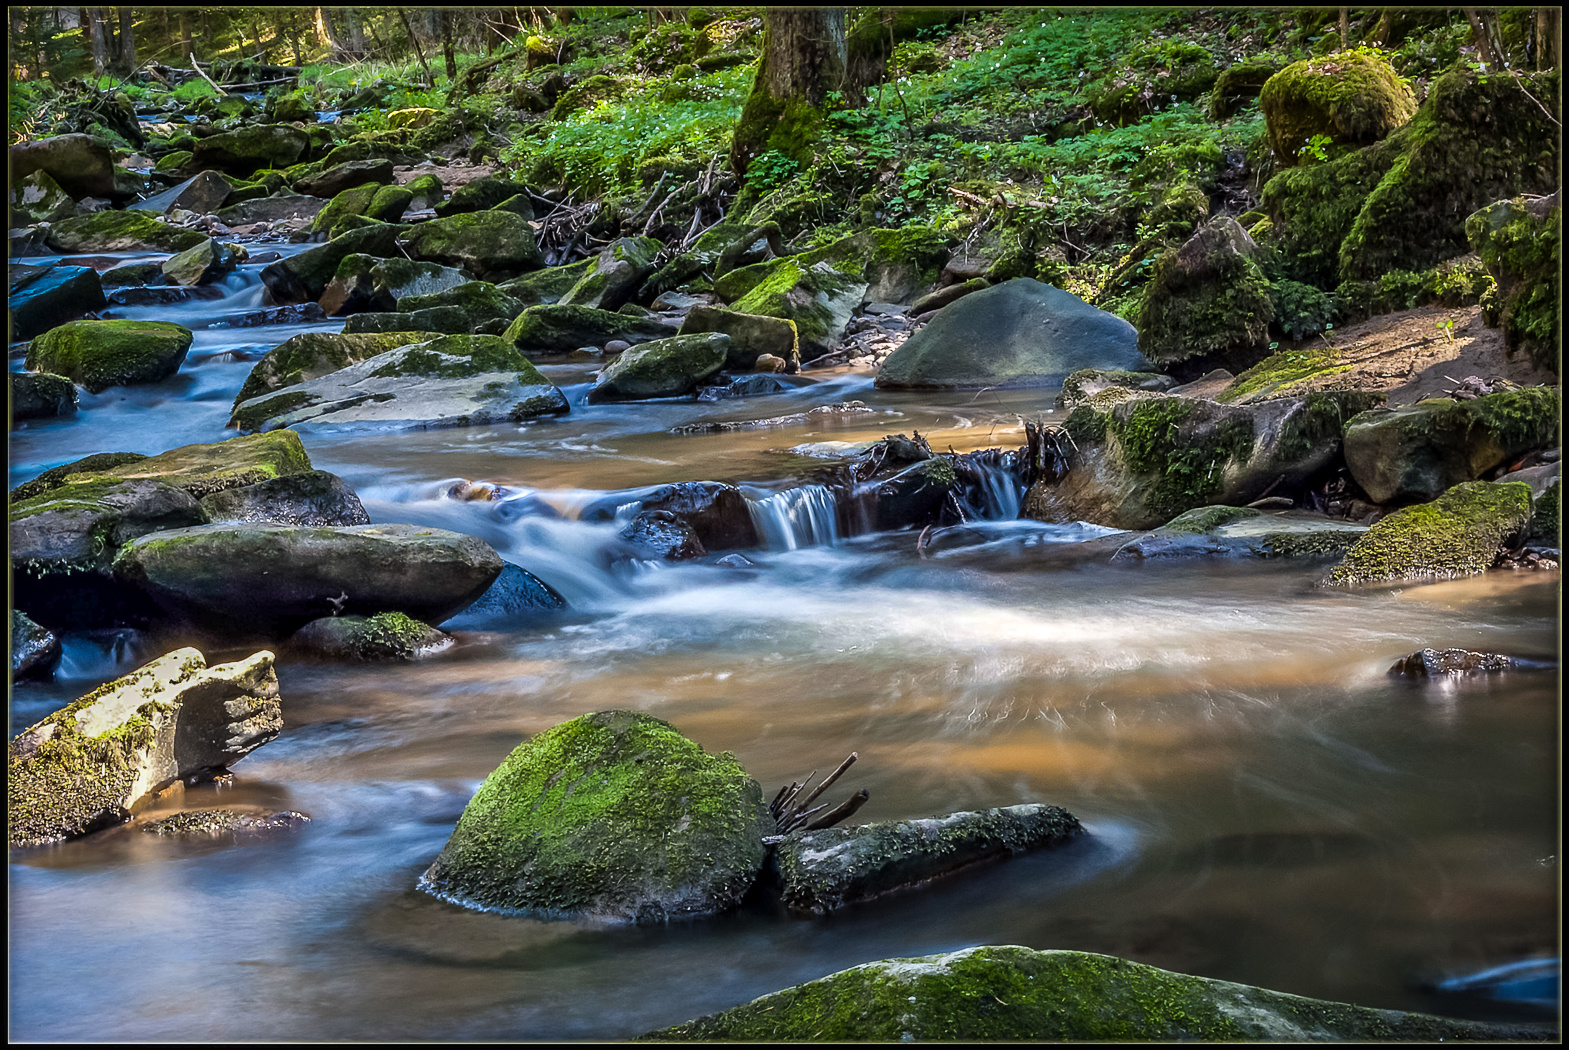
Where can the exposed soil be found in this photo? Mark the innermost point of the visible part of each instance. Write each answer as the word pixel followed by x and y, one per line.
pixel 1408 355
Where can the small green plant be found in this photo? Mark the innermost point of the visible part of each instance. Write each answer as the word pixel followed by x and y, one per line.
pixel 1447 326
pixel 1302 310
pixel 1316 148
pixel 770 170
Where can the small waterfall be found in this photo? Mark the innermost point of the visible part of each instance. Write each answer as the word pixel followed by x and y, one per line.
pixel 994 493
pixel 799 517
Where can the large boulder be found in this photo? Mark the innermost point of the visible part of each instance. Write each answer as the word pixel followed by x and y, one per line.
pixel 366 283
pixel 303 277
pixel 1349 98
pixel 40 199
pixel 546 287
pixel 204 263
pixel 1461 533
pixel 662 368
pixel 203 194
pixel 547 331
pixel 491 245
pixel 1019 333
pixel 456 380
pixel 333 181
pixel 81 164
pixel 310 355
pixel 481 195
pixel 1520 243
pixel 1138 462
pixel 120 231
pixel 272 209
pixel 460 309
pixel 618 270
pixel 1207 303
pixel 88 765
pixel 613 815
pixel 250 149
pixel 42 297
pixel 751 336
pixel 35 650
pixel 822 871
pixel 817 297
pixel 267 581
pixel 1013 994
pixel 102 354
pixel 1417 451
pixel 203 469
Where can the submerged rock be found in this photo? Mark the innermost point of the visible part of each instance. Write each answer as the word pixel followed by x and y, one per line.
pixel 456 380
pixel 247 580
pixel 613 815
pixel 1435 663
pixel 90 764
pixel 386 636
pixel 1461 533
pixel 822 871
pixel 1009 993
pixel 220 823
pixel 717 513
pixel 1019 333
pixel 1246 532
pixel 102 354
pixel 516 595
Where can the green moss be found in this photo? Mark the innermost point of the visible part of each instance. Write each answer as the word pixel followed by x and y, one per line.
pixel 1203 520
pixel 780 294
pixel 1458 534
pixel 56 476
pixel 1520 419
pixel 115 231
pixel 1279 372
pixel 203 469
pixel 1190 464
pixel 311 355
pixel 1238 85
pixel 613 813
pixel 1520 244
pixel 1351 97
pixel 102 354
pixel 248 419
pixel 459 356
pixel 1206 301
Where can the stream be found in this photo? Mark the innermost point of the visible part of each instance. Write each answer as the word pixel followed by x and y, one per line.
pixel 1264 803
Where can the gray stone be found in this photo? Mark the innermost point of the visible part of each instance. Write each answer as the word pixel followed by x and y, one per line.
pixel 387 636
pixel 41 199
pixel 203 194
pixel 619 269
pixel 516 596
pixel 44 297
pixel 34 650
pixel 249 149
pixel 751 336
pixel 1222 531
pixel 90 764
pixel 491 245
pixel 342 177
pixel 822 871
pixel 1437 663
pixel 662 368
pixel 1019 333
pixel 272 209
pixel 205 263
pixel 40 395
pixel 548 331
pixel 312 498
pixel 81 165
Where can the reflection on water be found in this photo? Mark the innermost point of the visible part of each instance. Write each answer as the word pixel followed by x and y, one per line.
pixel 1265 803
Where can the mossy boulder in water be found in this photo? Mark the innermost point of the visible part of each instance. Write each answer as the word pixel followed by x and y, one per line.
pixel 386 636
pixel 662 368
pixel 120 231
pixel 491 245
pixel 1417 451
pixel 751 336
pixel 614 815
pixel 1521 244
pixel 40 199
pixel 469 305
pixel 1019 333
pixel 310 355
pixel 1459 534
pixel 313 497
pixel 90 764
pixel 267 581
pixel 366 283
pixel 1222 531
pixel 455 380
pixel 551 330
pixel 41 395
pixel 618 270
pixel 817 297
pixel 304 277
pixel 1207 303
pixel 546 287
pixel 1350 98
pixel 1138 462
pixel 249 149
pixel 102 354
pixel 822 871
pixel 203 469
pixel 344 205
pixel 1007 993
pixel 1084 384
pixel 204 263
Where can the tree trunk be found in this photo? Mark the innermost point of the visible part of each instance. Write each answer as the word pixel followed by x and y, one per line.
pixel 127 41
pixel 430 79
pixel 1479 33
pixel 186 44
pixel 804 56
pixel 97 21
pixel 447 51
pixel 1345 29
pixel 356 32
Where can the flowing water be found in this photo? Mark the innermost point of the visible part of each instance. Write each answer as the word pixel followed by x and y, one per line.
pixel 1264 803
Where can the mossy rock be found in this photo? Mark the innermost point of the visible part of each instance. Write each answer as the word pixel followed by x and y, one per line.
pixel 588 92
pixel 896 264
pixel 1476 140
pixel 1014 994
pixel 1207 304
pixel 1461 533
pixel 102 354
pixel 389 204
pixel 795 207
pixel 478 301
pixel 1238 85
pixel 366 639
pixel 1520 242
pixel 750 335
pixel 427 190
pixel 1417 451
pixel 246 150
pixel 203 469
pixel 366 283
pixel 618 270
pixel 41 395
pixel 1352 98
pixel 661 368
pixel 1151 76
pixel 1084 384
pixel 552 330
pixel 491 245
pixel 120 231
pixel 1141 462
pixel 312 354
pixel 482 195
pixel 304 277
pixel 176 162
pixel 817 297
pixel 613 815
pixel 1282 374
pixel 546 287
pixel 1222 531
pixel 1547 516
pixel 352 201
pixel 40 199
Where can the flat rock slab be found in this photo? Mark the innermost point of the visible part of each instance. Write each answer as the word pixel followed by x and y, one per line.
pixel 270 580
pixel 1007 993
pixel 88 765
pixel 1245 532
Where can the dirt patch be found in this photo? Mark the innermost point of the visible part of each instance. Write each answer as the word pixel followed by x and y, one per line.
pixel 453 174
pixel 1415 353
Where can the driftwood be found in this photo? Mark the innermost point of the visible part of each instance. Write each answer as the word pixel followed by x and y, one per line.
pixel 792 810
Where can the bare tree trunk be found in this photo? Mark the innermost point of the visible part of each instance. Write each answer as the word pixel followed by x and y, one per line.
pixel 127 41
pixel 292 28
pixel 1345 29
pixel 430 79
pixel 356 32
pixel 1479 33
pixel 97 21
pixel 447 52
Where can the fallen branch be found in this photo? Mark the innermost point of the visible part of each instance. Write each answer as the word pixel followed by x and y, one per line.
pixel 207 78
